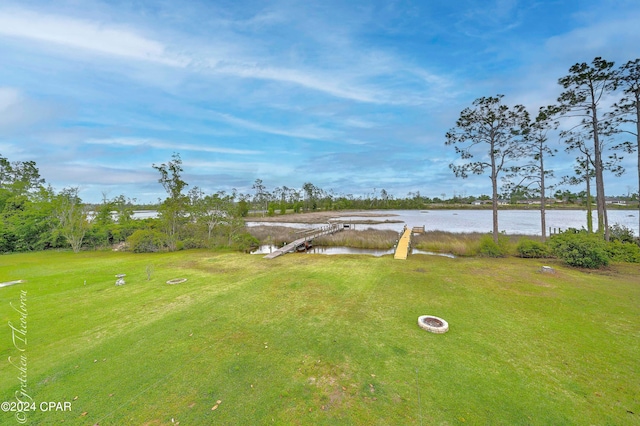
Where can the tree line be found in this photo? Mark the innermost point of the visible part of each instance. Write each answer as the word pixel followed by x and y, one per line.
pixel 35 217
pixel 599 106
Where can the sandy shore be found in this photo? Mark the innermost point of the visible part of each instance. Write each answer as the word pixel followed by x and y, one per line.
pixel 321 217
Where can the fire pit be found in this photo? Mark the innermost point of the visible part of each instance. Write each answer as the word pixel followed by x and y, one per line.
pixel 433 324
pixel 177 281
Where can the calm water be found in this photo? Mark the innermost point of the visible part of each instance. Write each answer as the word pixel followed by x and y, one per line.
pixel 266 249
pixel 525 222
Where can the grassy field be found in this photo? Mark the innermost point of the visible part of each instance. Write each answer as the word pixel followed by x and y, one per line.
pixel 312 339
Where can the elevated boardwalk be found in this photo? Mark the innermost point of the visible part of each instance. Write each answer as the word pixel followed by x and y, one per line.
pixel 404 245
pixel 293 246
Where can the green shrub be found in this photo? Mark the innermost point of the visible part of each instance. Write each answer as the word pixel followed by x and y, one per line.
pixel 532 249
pixel 621 233
pixel 580 249
pixel 490 248
pixel 193 243
pixel 619 251
pixel 146 241
pixel 245 242
pixel 242 208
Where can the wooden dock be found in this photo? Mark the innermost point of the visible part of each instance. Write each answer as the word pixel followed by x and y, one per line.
pixel 293 246
pixel 404 245
pixel 418 229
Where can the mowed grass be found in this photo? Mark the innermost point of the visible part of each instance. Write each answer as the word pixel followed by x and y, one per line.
pixel 312 339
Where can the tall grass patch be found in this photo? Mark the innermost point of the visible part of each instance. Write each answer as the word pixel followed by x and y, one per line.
pixel 365 239
pixel 459 244
pixel 274 235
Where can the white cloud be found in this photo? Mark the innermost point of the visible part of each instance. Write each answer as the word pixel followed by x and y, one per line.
pixel 88 35
pixel 17 111
pixel 152 143
pixel 8 97
pixel 309 79
pixel 304 132
pixel 230 57
pixel 613 39
pixel 491 18
pixel 236 166
pixel 76 172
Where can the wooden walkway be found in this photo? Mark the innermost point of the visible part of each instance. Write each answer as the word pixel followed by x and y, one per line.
pixel 404 244
pixel 330 229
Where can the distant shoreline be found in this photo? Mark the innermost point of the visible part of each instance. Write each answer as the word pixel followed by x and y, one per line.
pixel 322 216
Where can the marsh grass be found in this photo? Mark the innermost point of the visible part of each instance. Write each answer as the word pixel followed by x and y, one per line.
pixel 447 242
pixel 274 235
pixel 458 244
pixel 462 244
pixel 365 239
pixel 322 340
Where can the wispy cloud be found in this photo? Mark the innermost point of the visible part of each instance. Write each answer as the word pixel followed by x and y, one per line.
pixel 76 173
pixel 304 132
pixel 17 111
pixel 491 18
pixel 308 79
pixel 617 38
pixel 9 96
pixel 84 34
pixel 353 80
pixel 252 167
pixel 158 144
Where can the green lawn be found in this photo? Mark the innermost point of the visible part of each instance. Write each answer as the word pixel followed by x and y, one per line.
pixel 313 339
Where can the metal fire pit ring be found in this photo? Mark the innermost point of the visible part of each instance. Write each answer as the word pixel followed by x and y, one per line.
pixel 433 324
pixel 177 281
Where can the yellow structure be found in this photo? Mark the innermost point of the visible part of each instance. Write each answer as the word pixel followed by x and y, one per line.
pixel 402 249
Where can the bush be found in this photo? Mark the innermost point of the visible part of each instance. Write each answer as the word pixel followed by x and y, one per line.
pixel 532 249
pixel 193 243
pixel 146 241
pixel 490 248
pixel 621 233
pixel 619 251
pixel 245 242
pixel 580 249
pixel 242 208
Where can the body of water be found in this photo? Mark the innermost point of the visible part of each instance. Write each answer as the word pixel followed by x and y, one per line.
pixel 524 222
pixel 266 249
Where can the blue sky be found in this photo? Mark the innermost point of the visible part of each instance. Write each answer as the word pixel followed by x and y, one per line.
pixel 349 95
